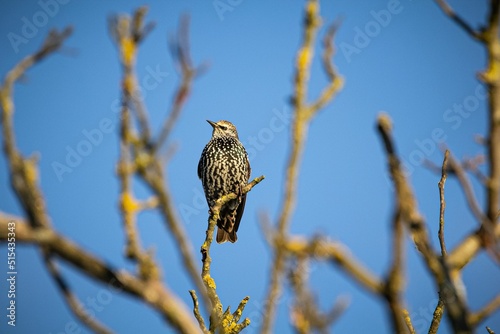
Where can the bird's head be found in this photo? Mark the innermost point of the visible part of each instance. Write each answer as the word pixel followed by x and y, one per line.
pixel 223 129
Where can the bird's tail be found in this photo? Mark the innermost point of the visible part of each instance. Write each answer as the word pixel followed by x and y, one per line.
pixel 223 236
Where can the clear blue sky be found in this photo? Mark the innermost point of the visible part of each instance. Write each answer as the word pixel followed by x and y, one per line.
pixel 414 64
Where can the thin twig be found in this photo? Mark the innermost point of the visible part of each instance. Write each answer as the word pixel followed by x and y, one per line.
pixel 338 255
pixel 458 20
pixel 404 211
pixel 306 316
pixel 72 300
pixel 180 51
pixel 407 320
pixel 472 165
pixel 336 81
pixel 239 310
pixel 468 248
pixel 437 316
pixel 128 33
pixel 479 316
pixel 394 282
pixel 457 170
pixel 442 204
pixel 196 312
pixel 405 195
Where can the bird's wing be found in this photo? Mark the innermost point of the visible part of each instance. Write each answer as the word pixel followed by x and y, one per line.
pixel 249 170
pixel 200 166
pixel 239 212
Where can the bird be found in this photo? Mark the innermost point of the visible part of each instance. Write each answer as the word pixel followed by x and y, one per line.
pixel 224 169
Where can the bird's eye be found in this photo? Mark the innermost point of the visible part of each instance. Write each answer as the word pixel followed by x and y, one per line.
pixel 223 127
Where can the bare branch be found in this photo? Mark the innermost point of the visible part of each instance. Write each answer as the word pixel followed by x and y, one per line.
pixel 138 156
pixel 405 195
pixel 437 316
pixel 446 8
pixel 491 77
pixel 394 283
pixel 239 310
pixel 155 179
pixel 72 300
pixel 196 312
pixel 454 301
pixel 218 320
pixel 303 114
pixel 152 293
pixel 404 211
pixel 336 81
pixel 486 311
pixel 338 255
pixel 442 204
pixel 306 316
pixel 472 165
pixel 467 249
pixel 407 320
pixel 180 51
pixel 128 33
pixel 465 184
pixel 24 172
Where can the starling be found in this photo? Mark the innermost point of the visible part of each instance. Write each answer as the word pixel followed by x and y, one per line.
pixel 224 169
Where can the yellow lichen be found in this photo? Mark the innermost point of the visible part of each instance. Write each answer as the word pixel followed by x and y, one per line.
pixel 7 104
pixel 493 71
pixel 129 204
pixel 304 58
pixel 128 84
pixel 31 171
pixel 142 160
pixel 128 49
pixel 209 281
pixel 312 8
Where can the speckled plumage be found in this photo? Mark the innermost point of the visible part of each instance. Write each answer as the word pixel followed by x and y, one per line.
pixel 224 169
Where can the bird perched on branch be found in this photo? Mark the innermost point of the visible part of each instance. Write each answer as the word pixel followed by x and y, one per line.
pixel 224 169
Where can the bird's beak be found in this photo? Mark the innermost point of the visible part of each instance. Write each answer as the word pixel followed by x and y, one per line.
pixel 213 124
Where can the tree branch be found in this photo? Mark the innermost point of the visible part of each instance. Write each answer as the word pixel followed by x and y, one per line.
pixel 304 111
pixel 442 204
pixel 489 36
pixel 479 316
pixel 454 301
pixel 128 33
pixel 338 255
pixel 227 323
pixel 491 77
pixel 139 156
pixel 152 293
pixel 436 317
pixel 196 312
pixel 180 51
pixel 24 171
pixel 72 300
pixel 446 8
